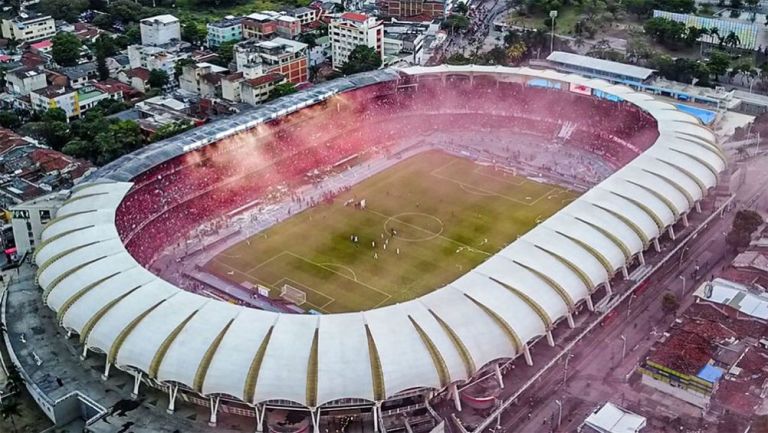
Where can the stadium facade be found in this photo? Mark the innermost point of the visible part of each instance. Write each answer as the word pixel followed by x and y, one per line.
pixel 183 342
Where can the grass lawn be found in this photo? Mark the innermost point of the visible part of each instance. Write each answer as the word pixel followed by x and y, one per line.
pixel 190 10
pixel 449 215
pixel 567 16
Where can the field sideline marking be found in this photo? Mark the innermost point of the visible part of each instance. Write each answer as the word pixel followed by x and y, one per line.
pixel 275 257
pixel 521 182
pixel 238 271
pixel 338 273
pixel 354 275
pixel 425 230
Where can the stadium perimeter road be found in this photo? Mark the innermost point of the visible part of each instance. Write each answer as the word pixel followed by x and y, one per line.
pixel 596 372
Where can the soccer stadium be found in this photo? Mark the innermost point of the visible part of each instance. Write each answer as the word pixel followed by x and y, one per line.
pixel 372 241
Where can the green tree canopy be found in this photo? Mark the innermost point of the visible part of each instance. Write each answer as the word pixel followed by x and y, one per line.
pixel 66 49
pixel 718 63
pixel 282 90
pixel 158 78
pixel 193 33
pixel 67 10
pixel 361 59
pixel 226 52
pixel 9 119
pixel 171 129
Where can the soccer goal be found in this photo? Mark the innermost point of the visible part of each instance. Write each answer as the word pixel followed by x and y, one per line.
pixel 293 295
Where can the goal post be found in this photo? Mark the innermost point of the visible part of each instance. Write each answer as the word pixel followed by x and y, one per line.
pixel 293 295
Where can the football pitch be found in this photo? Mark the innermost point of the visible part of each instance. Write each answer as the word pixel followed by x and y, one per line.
pixel 427 220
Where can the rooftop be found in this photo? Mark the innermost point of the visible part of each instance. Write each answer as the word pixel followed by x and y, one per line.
pixel 79 71
pixel 54 91
pixel 354 16
pixel 592 63
pixel 613 419
pixel 165 19
pixel 265 79
pixel 734 295
pixel 227 22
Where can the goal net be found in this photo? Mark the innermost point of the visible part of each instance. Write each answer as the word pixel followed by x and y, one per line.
pixel 293 295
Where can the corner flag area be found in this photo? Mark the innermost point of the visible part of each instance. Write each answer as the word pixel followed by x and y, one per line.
pixel 395 236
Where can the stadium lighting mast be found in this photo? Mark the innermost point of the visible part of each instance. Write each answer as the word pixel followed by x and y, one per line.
pixel 553 15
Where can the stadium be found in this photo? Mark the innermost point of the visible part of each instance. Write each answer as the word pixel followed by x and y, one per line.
pixel 566 180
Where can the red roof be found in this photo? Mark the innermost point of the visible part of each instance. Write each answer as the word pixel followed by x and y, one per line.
pixel 142 73
pixel 9 140
pixel 113 86
pixel 50 160
pixel 42 44
pixel 264 79
pixel 354 16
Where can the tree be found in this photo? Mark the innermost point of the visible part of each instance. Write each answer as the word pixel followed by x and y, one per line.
pixel 54 134
pixel 178 68
pixel 104 46
pixel 455 22
pixel 282 90
pixel 744 224
pixel 158 78
pixel 10 408
pixel 9 119
pixel 669 303
pixel 516 52
pixel 54 115
pixel 226 52
pixel 460 8
pixel 67 10
pixel 458 59
pixel 718 64
pixel 193 33
pixel 732 40
pixel 308 38
pixel 171 129
pixel 66 49
pixel 361 59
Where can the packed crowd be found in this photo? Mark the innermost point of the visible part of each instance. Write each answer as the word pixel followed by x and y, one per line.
pixel 173 198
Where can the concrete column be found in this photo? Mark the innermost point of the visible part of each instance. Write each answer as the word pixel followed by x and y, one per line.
pixel 571 323
pixel 671 231
pixel 314 413
pixel 641 257
pixel 454 390
pixel 698 207
pixel 261 410
pixel 656 245
pixel 550 339
pixel 105 375
pixel 685 219
pixel 85 353
pixel 172 391
pixel 527 355
pixel 214 410
pixel 625 272
pixel 376 410
pixel 608 290
pixel 590 305
pixel 499 377
pixel 136 383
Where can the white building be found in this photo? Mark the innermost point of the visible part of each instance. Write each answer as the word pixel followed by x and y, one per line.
pixel 29 27
pixel 140 56
pixel 352 29
pixel 29 218
pixel 160 30
pixel 21 81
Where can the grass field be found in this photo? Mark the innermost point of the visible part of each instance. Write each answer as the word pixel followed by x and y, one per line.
pixel 449 215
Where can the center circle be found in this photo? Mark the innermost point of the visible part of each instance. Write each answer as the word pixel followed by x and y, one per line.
pixel 414 226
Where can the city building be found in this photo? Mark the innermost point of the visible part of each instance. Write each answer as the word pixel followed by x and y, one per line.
pixel 138 78
pixel 74 102
pixel 160 30
pixel 231 85
pixel 321 51
pixel 79 75
pixel 226 30
pixel 157 57
pixel 42 47
pixel 288 26
pixel 21 81
pixel 352 29
pixel 29 27
pixel 203 79
pixel 404 42
pixel 304 15
pixel 426 9
pixel 259 26
pixel 256 90
pixel 279 55
pixel 30 217
pixel 610 418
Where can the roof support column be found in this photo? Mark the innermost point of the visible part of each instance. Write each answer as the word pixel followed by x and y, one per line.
pixel 85 353
pixel 608 291
pixel 260 411
pixel 314 413
pixel 136 383
pixel 527 355
pixel 214 410
pixel 625 272
pixel 376 410
pixel 499 377
pixel 641 257
pixel 550 339
pixel 697 205
pixel 569 317
pixel 671 231
pixel 685 219
pixel 105 375
pixel 172 391
pixel 656 245
pixel 454 390
pixel 69 334
pixel 590 305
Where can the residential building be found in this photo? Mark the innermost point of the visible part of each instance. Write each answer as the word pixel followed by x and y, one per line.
pixel 157 57
pixel 86 33
pixel 259 26
pixel 226 30
pixel 352 29
pixel 304 15
pixel 10 140
pixel 138 78
pixel 256 90
pixel 74 102
pixel 117 63
pixel 288 27
pixel 21 81
pixel 408 46
pixel 423 9
pixel 160 30
pixel 203 79
pixel 29 27
pixel 42 47
pixel 80 75
pixel 321 51
pixel 279 55
pixel 29 219
pixel 231 86
pixel 610 418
